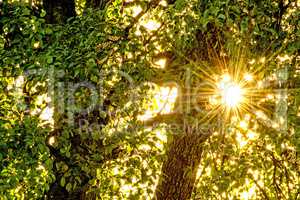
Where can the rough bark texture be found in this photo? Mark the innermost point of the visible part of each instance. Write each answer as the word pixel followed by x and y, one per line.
pixel 180 168
pixel 58 11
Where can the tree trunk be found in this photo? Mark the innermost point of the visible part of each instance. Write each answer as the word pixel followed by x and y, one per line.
pixel 180 168
pixel 58 11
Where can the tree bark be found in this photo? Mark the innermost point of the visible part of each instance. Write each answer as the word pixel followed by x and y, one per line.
pixel 180 168
pixel 58 11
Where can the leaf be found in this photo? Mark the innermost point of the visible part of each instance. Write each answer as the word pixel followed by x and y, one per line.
pixel 43 13
pixel 49 59
pixel 68 154
pixel 49 163
pixel 48 30
pixel 69 187
pixel 98 173
pixel 180 4
pixel 62 181
pixel 221 16
pixel 244 24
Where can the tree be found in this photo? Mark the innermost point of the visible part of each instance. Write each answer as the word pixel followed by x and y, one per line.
pixel 218 146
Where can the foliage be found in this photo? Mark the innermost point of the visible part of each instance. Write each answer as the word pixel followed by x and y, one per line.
pixel 86 50
pixel 90 76
pixel 26 164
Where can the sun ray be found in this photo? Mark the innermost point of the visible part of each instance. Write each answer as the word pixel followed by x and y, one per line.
pixel 234 92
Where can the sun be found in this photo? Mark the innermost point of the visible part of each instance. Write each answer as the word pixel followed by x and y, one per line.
pixel 230 96
pixel 232 89
pixel 231 93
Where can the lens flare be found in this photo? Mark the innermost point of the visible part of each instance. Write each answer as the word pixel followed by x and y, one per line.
pixel 230 92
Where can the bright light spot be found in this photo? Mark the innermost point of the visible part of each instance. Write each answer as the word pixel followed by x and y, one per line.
pixel 282 120
pixel 269 147
pixel 41 167
pixel 255 174
pixel 19 81
pixel 247 195
pixel 116 170
pixel 275 125
pixel 51 141
pixel 146 116
pixel 36 45
pixel 270 96
pixel 234 118
pixel 136 10
pixel 263 60
pixel 251 135
pixel 33 28
pixel 215 133
pixel 138 32
pixel 167 96
pixel 47 114
pixel 251 62
pixel 231 93
pixel 162 136
pixel 19 187
pixel 208 170
pixel 42 98
pixel 161 63
pixel 145 147
pixel 260 84
pixel 163 3
pixel 226 78
pixel 248 77
pixel 241 141
pixel 243 125
pixel 283 58
pixel 247 117
pixel 151 25
pixel 260 115
pixel 127 189
pixel 129 55
pixel 163 103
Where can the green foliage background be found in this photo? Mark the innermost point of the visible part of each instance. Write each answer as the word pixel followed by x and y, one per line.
pixel 120 158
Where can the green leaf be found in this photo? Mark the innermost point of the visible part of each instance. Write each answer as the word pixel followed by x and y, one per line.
pixel 68 155
pixel 49 59
pixel 69 187
pixel 43 13
pixel 62 181
pixel 221 16
pixel 48 30
pixel 244 24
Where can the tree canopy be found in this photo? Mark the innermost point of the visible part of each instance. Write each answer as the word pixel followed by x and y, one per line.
pixel 152 99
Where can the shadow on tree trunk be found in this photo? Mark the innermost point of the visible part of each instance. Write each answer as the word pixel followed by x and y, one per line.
pixel 180 167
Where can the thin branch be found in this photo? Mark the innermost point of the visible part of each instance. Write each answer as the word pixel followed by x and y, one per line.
pixel 260 188
pixel 152 4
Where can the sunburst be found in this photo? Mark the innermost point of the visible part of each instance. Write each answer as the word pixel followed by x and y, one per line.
pixel 232 90
pixel 231 95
